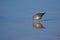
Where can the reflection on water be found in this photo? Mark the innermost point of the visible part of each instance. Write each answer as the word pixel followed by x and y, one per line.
pixel 37 25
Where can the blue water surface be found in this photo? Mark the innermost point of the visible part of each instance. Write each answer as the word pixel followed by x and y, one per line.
pixel 16 19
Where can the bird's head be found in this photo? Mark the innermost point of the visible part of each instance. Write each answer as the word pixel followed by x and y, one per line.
pixel 43 13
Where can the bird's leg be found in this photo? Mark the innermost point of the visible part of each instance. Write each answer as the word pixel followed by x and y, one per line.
pixel 38 21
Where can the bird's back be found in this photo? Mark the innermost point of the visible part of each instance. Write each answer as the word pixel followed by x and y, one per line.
pixel 38 15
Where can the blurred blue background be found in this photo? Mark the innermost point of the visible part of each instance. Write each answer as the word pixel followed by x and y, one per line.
pixel 16 19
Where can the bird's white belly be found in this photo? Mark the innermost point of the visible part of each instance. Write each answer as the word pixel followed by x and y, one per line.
pixel 37 18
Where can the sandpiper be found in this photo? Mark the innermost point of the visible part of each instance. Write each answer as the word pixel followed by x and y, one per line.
pixel 38 16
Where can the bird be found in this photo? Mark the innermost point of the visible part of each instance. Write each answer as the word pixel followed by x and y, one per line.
pixel 38 16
